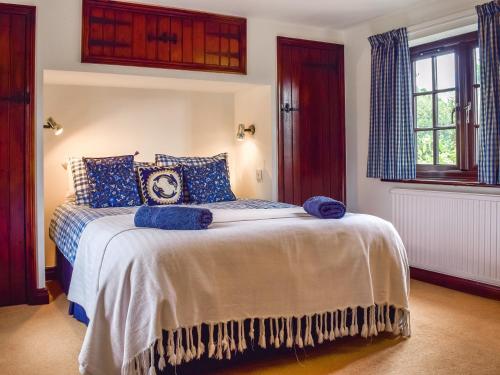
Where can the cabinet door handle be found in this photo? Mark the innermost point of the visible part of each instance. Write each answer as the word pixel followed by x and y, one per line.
pixel 163 37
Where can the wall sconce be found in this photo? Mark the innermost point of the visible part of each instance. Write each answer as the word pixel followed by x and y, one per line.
pixel 51 124
pixel 240 136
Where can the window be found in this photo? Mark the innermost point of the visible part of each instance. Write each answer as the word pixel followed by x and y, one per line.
pixel 446 97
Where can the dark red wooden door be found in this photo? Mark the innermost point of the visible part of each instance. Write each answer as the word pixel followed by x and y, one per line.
pixel 15 64
pixel 311 143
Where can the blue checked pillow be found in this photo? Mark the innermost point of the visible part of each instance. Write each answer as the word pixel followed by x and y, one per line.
pixel 189 161
pixel 208 183
pixel 160 185
pixel 80 180
pixel 112 182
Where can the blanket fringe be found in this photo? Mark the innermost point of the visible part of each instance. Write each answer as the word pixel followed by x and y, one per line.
pixel 227 338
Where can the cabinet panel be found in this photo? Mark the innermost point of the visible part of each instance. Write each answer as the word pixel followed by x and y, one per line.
pixel 123 34
pixel 176 39
pixel 198 42
pixel 144 35
pixel 161 39
pixel 212 43
pixel 151 33
pixel 187 41
pixel 139 36
pixel 108 33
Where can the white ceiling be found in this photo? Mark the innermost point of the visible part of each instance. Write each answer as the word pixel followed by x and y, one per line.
pixel 335 14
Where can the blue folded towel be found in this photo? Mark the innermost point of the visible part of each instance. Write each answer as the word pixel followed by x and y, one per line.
pixel 173 217
pixel 324 207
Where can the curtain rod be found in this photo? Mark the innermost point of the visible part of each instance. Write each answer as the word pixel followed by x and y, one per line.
pixel 456 20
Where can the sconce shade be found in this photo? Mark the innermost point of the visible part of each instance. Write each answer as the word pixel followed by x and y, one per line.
pixel 240 136
pixel 52 124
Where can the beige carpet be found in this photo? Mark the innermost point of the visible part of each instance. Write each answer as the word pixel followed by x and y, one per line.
pixel 453 333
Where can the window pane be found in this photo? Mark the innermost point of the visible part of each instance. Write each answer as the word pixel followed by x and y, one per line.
pixel 423 75
pixel 445 106
pixel 424 111
pixel 477 105
pixel 447 143
pixel 425 145
pixel 477 65
pixel 445 71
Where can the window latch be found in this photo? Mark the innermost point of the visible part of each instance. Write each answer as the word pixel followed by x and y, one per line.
pixel 467 109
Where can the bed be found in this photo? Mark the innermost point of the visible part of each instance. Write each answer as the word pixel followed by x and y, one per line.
pixel 264 274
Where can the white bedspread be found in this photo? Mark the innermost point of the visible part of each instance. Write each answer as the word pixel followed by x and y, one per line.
pixel 251 264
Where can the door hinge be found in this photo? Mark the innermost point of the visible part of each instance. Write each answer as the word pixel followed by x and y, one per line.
pixel 17 98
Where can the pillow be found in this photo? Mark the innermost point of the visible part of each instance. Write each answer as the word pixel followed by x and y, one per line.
pixel 70 193
pixel 112 182
pixel 78 185
pixel 80 182
pixel 170 161
pixel 208 183
pixel 190 161
pixel 160 185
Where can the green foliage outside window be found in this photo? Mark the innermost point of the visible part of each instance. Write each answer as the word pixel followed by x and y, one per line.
pixel 446 139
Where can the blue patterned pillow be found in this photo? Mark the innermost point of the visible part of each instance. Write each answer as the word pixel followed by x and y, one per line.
pixel 161 185
pixel 112 182
pixel 208 183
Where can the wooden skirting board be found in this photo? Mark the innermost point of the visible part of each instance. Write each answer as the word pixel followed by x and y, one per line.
pixel 456 283
pixel 39 296
pixel 50 273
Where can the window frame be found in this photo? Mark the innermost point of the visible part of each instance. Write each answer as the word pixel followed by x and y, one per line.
pixel 463 47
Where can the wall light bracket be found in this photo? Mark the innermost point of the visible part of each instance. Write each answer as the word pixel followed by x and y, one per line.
pixel 52 124
pixel 240 136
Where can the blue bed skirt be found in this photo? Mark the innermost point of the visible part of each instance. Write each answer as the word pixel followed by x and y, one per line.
pixel 64 272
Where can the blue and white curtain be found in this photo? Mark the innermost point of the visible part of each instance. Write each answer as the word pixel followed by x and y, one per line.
pixel 391 152
pixel 489 131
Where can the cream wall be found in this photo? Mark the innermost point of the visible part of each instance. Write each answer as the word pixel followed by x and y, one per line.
pixel 254 106
pixel 365 194
pixel 58 48
pixel 103 121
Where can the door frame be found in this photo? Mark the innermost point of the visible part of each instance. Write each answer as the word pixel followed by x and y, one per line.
pixel 285 41
pixel 34 295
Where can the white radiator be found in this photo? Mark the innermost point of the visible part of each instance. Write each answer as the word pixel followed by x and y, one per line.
pixel 457 234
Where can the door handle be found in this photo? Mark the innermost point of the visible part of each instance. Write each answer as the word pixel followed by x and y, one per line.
pixel 287 108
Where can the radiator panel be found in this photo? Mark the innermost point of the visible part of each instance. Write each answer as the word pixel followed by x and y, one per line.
pixel 451 233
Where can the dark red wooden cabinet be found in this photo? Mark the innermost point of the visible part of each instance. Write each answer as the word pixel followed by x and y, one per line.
pixel 144 35
pixel 311 139
pixel 17 233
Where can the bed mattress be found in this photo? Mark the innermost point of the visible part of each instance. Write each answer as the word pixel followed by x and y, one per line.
pixel 69 220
